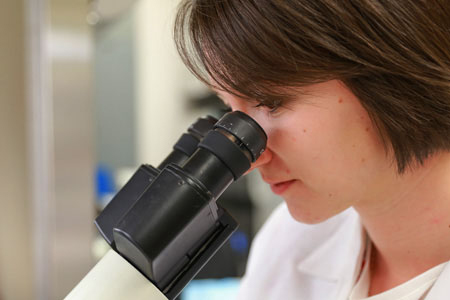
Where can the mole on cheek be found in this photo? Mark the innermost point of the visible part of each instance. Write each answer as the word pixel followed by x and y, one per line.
pixel 304 130
pixel 340 100
pixel 363 160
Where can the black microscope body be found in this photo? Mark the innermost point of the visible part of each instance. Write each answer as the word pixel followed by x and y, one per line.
pixel 165 221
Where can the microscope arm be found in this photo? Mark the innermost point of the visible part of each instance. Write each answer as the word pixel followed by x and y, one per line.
pixel 113 278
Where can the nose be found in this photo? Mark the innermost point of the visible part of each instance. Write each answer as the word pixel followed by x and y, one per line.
pixel 263 159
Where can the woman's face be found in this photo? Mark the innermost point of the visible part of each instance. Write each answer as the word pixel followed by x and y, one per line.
pixel 323 152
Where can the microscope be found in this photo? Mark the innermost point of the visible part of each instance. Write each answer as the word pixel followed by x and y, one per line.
pixel 165 224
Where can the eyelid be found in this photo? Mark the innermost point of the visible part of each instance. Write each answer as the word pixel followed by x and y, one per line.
pixel 272 109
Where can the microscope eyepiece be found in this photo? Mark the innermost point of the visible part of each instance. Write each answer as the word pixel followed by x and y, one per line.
pixel 246 131
pixel 237 140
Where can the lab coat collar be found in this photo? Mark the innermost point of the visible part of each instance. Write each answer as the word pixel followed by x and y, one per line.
pixel 339 258
pixel 440 289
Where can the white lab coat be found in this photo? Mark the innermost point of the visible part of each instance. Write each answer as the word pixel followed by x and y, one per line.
pixel 290 260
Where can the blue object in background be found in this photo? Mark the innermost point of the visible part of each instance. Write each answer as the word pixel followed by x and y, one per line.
pixel 105 185
pixel 239 242
pixel 211 289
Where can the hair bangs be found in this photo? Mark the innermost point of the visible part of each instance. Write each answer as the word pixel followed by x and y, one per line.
pixel 212 40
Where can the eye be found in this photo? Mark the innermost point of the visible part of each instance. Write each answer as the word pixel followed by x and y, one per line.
pixel 272 108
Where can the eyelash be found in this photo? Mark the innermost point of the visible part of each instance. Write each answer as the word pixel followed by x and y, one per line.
pixel 271 108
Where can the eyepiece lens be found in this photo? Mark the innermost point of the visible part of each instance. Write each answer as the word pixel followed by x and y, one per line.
pixel 246 131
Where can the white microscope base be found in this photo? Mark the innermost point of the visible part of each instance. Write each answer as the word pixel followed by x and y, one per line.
pixel 113 278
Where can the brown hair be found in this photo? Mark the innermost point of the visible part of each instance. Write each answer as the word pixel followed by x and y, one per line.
pixel 394 55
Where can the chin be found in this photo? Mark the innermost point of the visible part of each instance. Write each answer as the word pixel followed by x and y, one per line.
pixel 306 216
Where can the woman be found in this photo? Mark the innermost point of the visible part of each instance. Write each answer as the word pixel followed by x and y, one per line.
pixel 355 99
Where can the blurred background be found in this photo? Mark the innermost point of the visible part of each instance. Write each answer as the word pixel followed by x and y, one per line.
pixel 89 90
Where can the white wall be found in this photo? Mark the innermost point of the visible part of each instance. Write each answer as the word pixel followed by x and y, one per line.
pixel 71 214
pixel 15 226
pixel 162 82
pixel 46 149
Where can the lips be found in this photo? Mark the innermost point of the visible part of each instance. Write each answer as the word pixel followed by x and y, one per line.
pixel 280 187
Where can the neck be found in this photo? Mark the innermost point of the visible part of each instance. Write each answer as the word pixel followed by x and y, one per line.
pixel 410 225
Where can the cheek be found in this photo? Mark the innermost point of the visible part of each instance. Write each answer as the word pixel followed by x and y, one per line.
pixel 347 163
pixel 330 151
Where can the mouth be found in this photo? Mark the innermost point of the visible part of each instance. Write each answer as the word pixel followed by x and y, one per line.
pixel 280 187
